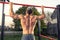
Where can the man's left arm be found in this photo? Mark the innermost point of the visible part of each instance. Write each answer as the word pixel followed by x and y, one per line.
pixel 42 15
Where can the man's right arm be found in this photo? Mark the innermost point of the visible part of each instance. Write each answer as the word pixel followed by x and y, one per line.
pixel 43 14
pixel 12 14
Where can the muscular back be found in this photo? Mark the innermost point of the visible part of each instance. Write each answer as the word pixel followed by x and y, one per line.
pixel 28 24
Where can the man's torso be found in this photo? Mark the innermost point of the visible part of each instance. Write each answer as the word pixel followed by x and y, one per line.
pixel 28 24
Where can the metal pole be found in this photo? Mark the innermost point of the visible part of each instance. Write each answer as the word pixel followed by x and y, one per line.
pixel 3 21
pixel 58 21
pixel 39 24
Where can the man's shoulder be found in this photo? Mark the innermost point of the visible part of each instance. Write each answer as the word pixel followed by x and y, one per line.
pixel 21 16
pixel 34 15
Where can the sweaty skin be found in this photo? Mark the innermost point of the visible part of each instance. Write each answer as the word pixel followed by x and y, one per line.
pixel 28 24
pixel 27 21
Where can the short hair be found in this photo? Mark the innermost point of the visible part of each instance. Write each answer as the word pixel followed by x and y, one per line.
pixel 29 10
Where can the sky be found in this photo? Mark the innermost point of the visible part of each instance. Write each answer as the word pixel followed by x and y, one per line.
pixel 8 20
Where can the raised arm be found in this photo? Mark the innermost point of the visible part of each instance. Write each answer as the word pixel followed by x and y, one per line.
pixel 12 14
pixel 42 15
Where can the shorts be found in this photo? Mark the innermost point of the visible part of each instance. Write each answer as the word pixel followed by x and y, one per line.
pixel 28 37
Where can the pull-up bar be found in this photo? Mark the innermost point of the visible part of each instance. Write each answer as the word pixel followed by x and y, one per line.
pixel 27 5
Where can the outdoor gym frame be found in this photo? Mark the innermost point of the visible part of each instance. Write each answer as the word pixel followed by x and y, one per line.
pixel 32 6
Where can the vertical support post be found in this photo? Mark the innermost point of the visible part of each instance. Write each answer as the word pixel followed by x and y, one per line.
pixel 3 21
pixel 39 38
pixel 58 21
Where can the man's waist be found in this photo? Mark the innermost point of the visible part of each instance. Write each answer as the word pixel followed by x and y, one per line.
pixel 28 32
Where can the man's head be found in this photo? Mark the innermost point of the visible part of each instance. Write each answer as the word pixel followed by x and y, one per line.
pixel 29 10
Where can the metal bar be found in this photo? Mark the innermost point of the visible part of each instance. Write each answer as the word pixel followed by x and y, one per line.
pixel 39 25
pixel 28 5
pixel 3 21
pixel 58 22
pixel 47 37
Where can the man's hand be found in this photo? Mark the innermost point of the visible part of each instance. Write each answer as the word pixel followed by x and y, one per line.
pixel 11 4
pixel 42 7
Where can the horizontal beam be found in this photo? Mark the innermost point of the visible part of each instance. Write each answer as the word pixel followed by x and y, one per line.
pixel 47 37
pixel 28 5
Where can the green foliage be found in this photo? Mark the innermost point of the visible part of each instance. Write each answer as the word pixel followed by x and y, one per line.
pixel 35 12
pixel 21 10
pixel 17 24
pixel 43 24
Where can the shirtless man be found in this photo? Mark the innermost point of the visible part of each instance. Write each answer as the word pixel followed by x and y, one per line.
pixel 28 21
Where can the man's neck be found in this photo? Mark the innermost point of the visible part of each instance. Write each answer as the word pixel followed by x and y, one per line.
pixel 28 14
